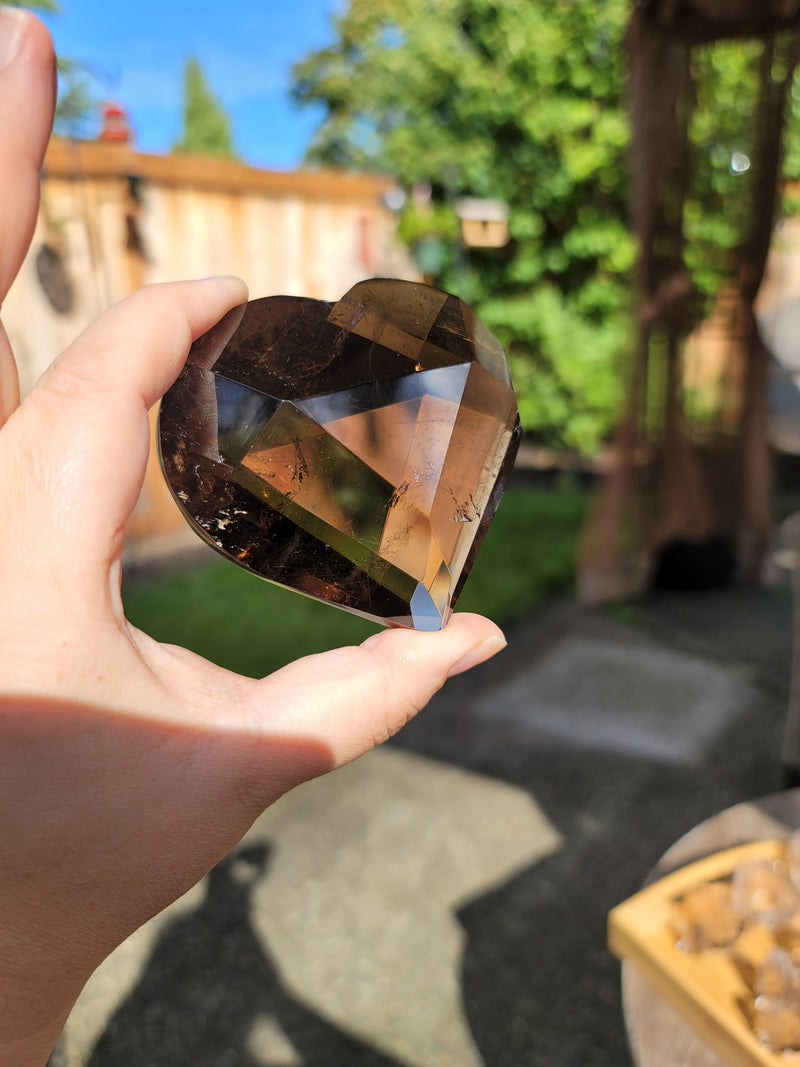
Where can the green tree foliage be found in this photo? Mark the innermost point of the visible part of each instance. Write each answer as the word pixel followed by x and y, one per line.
pixel 724 139
pixel 33 5
pixel 206 125
pixel 77 105
pixel 521 102
pixel 526 102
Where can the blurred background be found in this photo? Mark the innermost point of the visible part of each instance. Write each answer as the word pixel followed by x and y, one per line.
pixel 615 188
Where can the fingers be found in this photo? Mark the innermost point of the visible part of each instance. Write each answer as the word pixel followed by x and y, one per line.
pixel 27 97
pixel 9 380
pixel 83 435
pixel 354 698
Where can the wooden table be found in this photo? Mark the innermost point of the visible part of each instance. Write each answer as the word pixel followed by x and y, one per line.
pixel 658 1035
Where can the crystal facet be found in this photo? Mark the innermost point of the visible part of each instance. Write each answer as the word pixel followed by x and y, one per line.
pixel 353 451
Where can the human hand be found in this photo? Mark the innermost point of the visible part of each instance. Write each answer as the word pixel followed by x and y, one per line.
pixel 128 768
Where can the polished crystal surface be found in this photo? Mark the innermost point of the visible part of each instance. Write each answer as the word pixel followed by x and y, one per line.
pixel 353 451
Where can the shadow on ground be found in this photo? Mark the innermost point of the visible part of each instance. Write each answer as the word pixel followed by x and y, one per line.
pixel 211 995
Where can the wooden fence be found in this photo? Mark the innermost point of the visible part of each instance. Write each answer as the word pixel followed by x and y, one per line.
pixel 112 220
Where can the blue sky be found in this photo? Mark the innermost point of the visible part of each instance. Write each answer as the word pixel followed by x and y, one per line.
pixel 137 50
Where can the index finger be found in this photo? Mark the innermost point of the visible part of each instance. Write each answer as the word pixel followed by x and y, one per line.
pixel 27 101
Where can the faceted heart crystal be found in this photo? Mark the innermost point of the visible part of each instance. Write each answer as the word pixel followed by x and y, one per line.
pixel 355 452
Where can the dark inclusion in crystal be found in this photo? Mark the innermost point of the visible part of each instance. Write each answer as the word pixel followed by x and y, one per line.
pixel 355 452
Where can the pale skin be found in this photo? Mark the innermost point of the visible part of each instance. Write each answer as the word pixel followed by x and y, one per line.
pixel 128 768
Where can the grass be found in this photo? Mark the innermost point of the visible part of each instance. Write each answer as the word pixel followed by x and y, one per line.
pixel 253 627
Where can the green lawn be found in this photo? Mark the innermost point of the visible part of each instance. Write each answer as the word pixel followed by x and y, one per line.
pixel 253 627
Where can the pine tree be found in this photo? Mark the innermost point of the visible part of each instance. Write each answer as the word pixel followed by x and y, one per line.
pixel 206 125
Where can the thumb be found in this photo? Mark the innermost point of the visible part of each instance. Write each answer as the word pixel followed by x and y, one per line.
pixel 352 699
pixel 82 436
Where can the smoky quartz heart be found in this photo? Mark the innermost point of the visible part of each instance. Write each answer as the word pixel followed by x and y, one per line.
pixel 353 451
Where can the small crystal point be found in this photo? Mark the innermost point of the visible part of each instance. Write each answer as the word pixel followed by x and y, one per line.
pixel 424 613
pixel 355 452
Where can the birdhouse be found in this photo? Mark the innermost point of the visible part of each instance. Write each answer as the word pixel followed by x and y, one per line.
pixel 484 223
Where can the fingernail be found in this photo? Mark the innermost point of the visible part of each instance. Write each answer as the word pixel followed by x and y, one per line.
pixel 233 278
pixel 479 654
pixel 12 29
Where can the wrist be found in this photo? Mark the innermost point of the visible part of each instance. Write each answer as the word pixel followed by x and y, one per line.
pixel 29 1050
pixel 29 1024
pixel 36 1001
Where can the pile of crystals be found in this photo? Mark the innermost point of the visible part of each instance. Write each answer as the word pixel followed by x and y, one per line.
pixel 754 916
